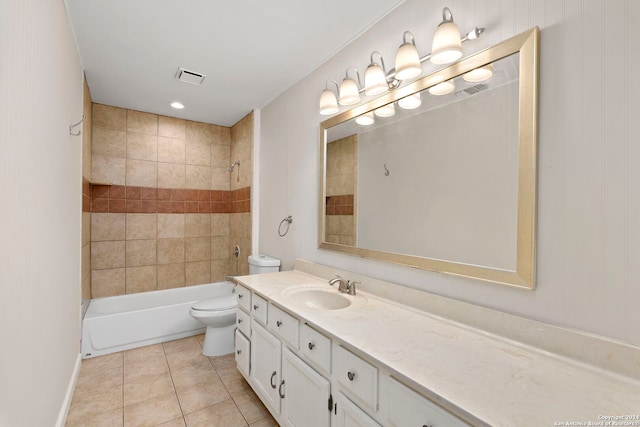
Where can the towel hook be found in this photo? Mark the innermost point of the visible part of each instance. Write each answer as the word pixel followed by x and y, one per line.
pixel 73 126
pixel 288 220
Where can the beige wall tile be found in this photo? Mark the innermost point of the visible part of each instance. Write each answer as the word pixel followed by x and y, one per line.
pixel 171 275
pixel 198 177
pixel 220 224
pixel 141 279
pixel 171 127
pixel 86 261
pixel 171 225
pixel 198 153
pixel 197 249
pixel 197 273
pixel 142 173
pixel 220 248
pixel 202 132
pixel 219 270
pixel 140 252
pixel 108 142
pixel 197 225
pixel 220 156
pixel 140 226
pixel 107 255
pixel 171 150
pixel 140 122
pixel 105 116
pixel 220 179
pixel 108 170
pixel 86 227
pixel 170 251
pixel 107 226
pixel 171 175
pixel 107 283
pixel 240 225
pixel 142 147
pixel 221 135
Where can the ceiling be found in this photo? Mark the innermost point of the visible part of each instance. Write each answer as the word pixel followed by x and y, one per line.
pixel 250 50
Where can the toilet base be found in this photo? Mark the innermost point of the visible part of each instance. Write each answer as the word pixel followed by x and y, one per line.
pixel 219 341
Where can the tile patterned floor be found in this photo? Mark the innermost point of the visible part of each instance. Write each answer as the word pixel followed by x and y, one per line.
pixel 169 384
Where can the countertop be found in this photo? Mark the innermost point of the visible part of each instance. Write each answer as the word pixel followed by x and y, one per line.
pixel 482 377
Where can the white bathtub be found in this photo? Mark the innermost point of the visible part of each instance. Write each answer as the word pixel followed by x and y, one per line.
pixel 123 322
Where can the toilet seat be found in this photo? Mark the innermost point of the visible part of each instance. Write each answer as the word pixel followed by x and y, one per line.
pixel 216 303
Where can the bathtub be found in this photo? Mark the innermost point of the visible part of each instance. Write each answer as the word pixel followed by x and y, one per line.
pixel 123 322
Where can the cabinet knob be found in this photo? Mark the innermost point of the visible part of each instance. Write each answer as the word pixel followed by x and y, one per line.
pixel 278 323
pixel 238 351
pixel 311 345
pixel 351 375
pixel 273 375
pixel 240 295
pixel 239 321
pixel 255 306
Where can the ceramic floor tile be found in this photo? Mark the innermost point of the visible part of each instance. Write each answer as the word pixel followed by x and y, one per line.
pixel 200 338
pixel 251 407
pixel 234 381
pixel 107 419
pixel 95 401
pixel 147 388
pixel 224 414
pixel 137 371
pixel 96 364
pixel 201 395
pixel 152 412
pixel 184 344
pixel 265 422
pixel 223 362
pixel 178 422
pixel 188 375
pixel 144 354
pixel 108 377
pixel 186 357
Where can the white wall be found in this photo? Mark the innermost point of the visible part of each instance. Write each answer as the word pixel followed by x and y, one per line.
pixel 40 180
pixel 589 181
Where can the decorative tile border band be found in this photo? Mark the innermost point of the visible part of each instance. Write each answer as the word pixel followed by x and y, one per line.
pixel 339 205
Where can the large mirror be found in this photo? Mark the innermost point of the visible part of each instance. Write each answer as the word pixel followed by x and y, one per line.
pixel 441 176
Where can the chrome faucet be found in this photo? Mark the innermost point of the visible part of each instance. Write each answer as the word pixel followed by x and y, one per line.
pixel 344 286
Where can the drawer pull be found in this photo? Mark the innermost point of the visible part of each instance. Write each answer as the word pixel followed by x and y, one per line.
pixel 351 375
pixel 255 306
pixel 239 321
pixel 240 295
pixel 239 351
pixel 280 390
pixel 273 375
pixel 311 345
pixel 278 323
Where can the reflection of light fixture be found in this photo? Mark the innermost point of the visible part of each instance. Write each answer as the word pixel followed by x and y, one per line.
pixel 479 74
pixel 328 101
pixel 385 111
pixel 407 59
pixel 410 102
pixel 349 90
pixel 177 105
pixel 442 88
pixel 446 46
pixel 375 77
pixel 366 119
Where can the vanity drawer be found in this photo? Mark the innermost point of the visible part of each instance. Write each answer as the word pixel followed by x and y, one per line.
pixel 408 408
pixel 315 347
pixel 243 346
pixel 284 325
pixel 259 308
pixel 243 322
pixel 244 298
pixel 357 376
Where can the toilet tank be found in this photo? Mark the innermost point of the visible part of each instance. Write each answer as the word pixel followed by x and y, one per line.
pixel 263 264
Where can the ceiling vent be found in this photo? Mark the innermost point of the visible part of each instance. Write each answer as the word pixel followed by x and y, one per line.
pixel 471 90
pixel 190 77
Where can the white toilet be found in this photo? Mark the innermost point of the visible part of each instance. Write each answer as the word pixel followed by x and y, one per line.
pixel 219 313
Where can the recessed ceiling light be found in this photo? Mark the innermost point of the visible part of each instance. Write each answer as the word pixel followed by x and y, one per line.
pixel 177 105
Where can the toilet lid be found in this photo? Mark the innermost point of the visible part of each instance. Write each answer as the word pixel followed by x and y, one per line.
pixel 217 303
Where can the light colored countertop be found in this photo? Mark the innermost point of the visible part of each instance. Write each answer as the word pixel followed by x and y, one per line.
pixel 478 375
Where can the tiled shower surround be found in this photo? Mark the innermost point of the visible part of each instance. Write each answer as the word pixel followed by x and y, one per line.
pixel 165 210
pixel 340 202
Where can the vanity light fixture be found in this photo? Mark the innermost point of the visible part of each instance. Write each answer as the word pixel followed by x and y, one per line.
pixel 442 88
pixel 385 111
pixel 177 105
pixel 375 77
pixel 366 119
pixel 328 100
pixel 349 90
pixel 410 102
pixel 446 46
pixel 479 74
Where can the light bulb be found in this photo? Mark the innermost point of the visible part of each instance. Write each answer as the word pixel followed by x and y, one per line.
pixel 348 92
pixel 407 59
pixel 443 88
pixel 479 74
pixel 328 103
pixel 410 102
pixel 375 81
pixel 365 119
pixel 447 46
pixel 385 111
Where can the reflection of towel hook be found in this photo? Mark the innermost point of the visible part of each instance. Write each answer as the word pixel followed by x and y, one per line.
pixel 386 171
pixel 287 220
pixel 71 127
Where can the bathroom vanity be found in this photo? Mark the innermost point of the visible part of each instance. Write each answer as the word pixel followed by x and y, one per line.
pixel 318 357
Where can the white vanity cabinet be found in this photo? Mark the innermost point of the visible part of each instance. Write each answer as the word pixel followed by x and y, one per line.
pixel 266 362
pixel 349 414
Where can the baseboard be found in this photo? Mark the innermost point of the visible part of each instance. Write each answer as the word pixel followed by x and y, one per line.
pixel 66 403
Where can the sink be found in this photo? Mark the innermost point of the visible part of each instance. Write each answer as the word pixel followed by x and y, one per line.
pixel 317 298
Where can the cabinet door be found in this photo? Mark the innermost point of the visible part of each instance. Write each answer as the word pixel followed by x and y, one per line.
pixel 349 415
pixel 306 394
pixel 266 357
pixel 243 349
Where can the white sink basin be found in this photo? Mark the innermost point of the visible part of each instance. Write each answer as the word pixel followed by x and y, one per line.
pixel 322 297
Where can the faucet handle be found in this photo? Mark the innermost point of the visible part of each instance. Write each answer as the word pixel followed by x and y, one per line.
pixel 351 286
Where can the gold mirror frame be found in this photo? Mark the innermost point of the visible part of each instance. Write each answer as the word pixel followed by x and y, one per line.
pixel 527 44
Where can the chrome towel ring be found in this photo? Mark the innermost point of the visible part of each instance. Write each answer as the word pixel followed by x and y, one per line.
pixel 288 220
